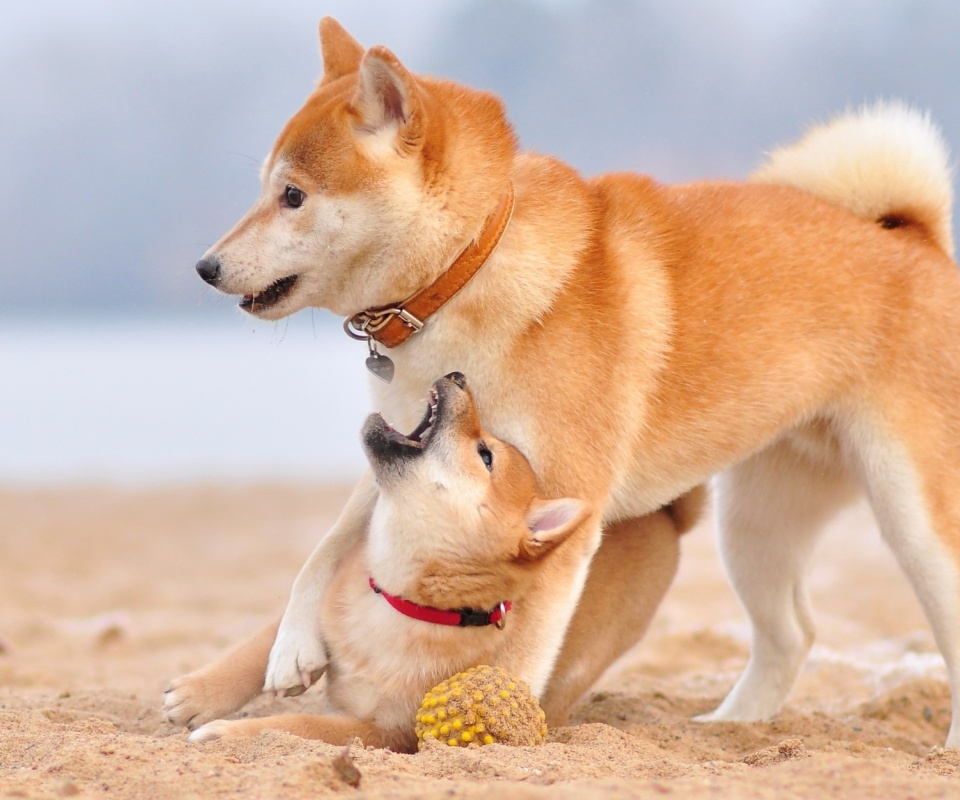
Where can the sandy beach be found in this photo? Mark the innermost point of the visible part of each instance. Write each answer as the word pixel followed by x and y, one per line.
pixel 106 594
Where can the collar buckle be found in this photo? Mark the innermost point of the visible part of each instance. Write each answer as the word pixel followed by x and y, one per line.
pixel 471 618
pixel 410 320
pixel 364 325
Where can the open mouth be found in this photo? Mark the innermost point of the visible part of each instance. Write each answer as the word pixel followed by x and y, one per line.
pixel 383 441
pixel 270 296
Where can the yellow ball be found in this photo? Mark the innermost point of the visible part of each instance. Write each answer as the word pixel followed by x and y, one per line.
pixel 481 706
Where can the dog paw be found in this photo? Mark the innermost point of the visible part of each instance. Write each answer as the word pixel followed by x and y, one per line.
pixel 195 699
pixel 211 731
pixel 296 663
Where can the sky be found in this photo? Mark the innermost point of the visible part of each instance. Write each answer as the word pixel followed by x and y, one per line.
pixel 133 132
pixel 132 135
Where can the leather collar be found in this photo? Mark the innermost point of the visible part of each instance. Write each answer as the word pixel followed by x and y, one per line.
pixel 392 325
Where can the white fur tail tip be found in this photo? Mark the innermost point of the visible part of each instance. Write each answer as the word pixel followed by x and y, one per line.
pixel 886 162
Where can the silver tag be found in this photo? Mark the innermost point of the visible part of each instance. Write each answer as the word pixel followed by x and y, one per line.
pixel 381 366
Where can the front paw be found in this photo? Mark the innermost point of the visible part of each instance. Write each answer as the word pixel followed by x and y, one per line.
pixel 296 662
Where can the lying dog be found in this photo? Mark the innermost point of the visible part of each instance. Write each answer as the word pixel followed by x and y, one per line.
pixel 798 333
pixel 458 531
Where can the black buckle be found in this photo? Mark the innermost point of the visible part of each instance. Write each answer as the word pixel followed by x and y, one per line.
pixel 470 618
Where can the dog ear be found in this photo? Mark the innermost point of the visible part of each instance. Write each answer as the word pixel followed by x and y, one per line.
pixel 386 98
pixel 341 53
pixel 549 523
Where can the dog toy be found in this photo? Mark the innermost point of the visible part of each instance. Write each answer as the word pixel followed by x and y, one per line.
pixel 481 706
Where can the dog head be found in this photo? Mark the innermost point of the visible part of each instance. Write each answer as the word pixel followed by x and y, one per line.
pixel 458 522
pixel 368 190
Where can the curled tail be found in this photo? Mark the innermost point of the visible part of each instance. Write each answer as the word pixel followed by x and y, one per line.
pixel 886 162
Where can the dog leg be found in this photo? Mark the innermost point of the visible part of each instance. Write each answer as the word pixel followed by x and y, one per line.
pixel 224 686
pixel 298 657
pixel 628 577
pixel 330 729
pixel 770 509
pixel 914 498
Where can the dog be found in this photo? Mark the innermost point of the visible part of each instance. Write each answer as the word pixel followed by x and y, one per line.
pixel 796 335
pixel 459 536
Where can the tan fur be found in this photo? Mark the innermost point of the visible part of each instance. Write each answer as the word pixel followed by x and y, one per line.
pixel 634 339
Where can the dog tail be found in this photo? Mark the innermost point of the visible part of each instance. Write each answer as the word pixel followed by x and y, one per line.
pixel 886 162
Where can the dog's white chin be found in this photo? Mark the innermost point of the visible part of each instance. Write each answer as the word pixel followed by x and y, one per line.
pixel 271 314
pixel 282 308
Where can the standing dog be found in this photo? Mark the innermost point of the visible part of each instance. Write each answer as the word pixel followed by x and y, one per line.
pixel 799 333
pixel 458 529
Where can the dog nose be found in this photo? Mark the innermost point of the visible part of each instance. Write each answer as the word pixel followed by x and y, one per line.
pixel 208 268
pixel 457 378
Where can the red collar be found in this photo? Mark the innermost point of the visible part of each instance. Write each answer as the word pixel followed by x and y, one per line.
pixel 464 617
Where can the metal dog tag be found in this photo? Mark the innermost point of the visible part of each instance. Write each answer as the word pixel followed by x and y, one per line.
pixel 379 365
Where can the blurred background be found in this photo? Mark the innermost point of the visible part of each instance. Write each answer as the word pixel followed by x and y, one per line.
pixel 132 134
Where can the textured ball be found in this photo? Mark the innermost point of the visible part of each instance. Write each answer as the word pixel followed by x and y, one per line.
pixel 481 706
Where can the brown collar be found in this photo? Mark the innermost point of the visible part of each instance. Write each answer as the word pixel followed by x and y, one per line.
pixel 393 325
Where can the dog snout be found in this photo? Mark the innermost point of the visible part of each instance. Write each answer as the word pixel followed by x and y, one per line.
pixel 457 378
pixel 208 268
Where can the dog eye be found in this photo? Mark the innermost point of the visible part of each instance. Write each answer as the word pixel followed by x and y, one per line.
pixel 293 197
pixel 486 456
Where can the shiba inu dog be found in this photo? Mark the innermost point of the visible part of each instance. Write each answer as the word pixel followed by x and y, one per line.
pixel 797 334
pixel 440 582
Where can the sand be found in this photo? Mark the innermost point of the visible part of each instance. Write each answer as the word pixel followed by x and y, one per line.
pixel 106 594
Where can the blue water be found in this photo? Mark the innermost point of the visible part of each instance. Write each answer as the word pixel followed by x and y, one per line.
pixel 175 401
